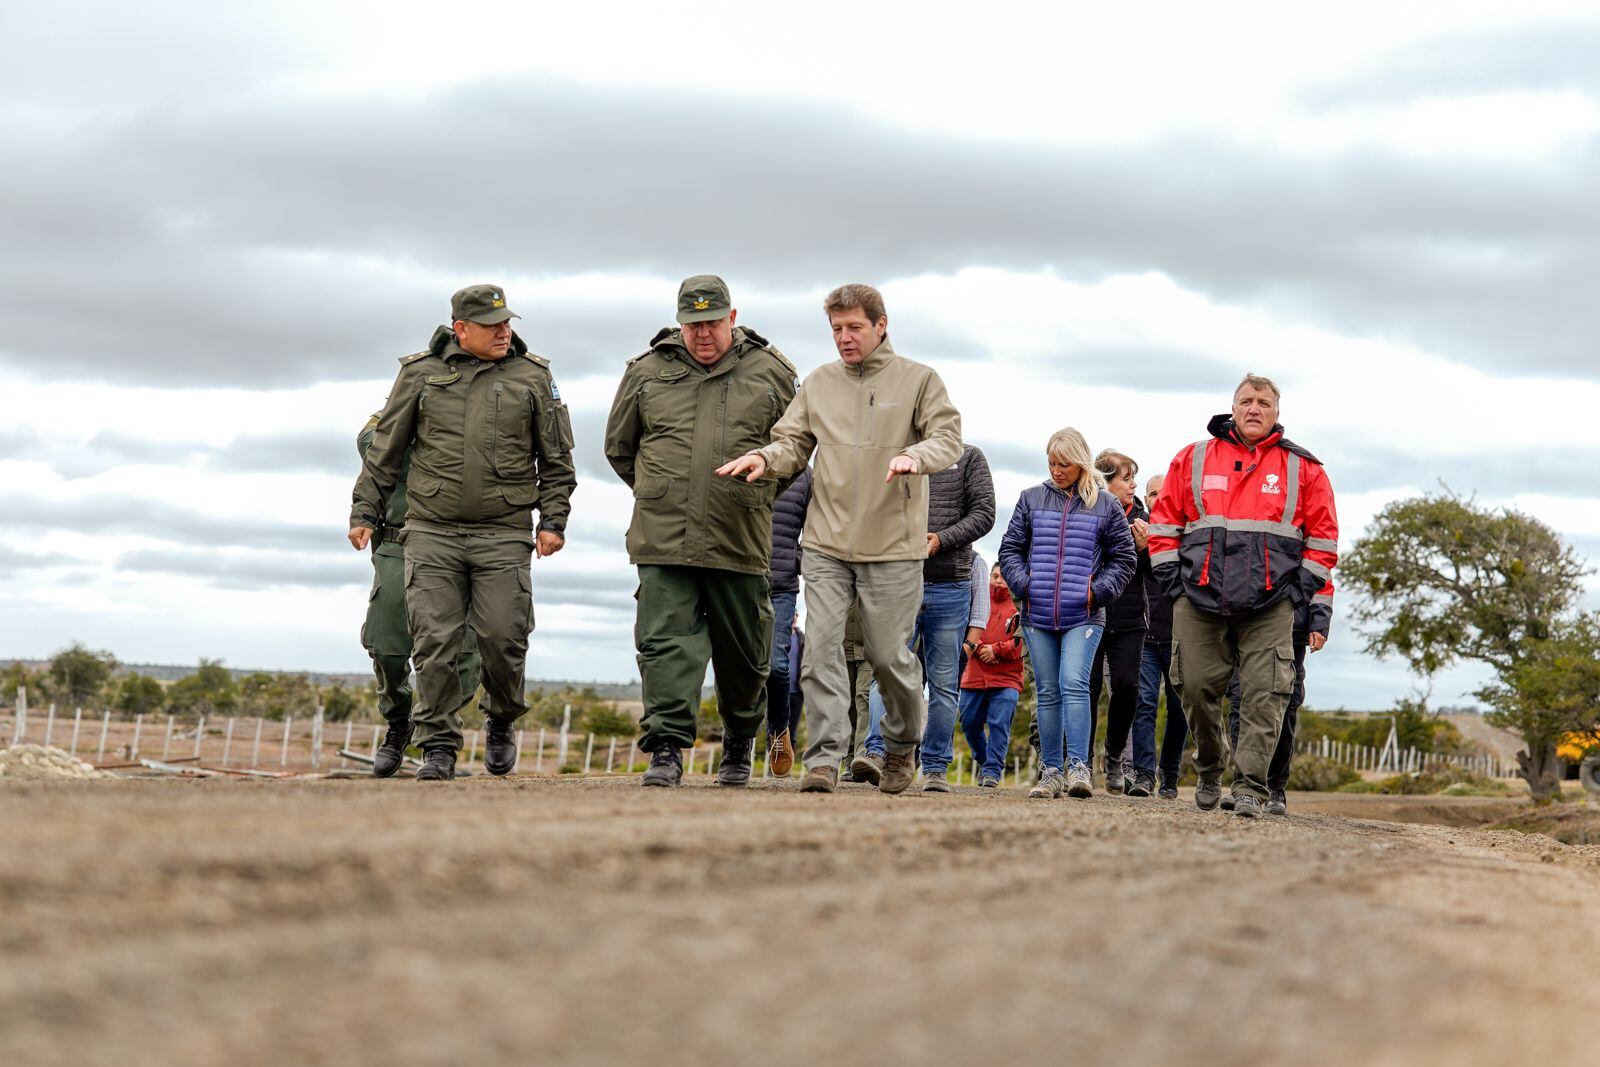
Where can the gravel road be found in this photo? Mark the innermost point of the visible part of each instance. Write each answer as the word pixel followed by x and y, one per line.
pixel 590 921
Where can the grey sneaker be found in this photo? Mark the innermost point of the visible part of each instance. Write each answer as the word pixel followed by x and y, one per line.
pixel 1227 802
pixel 988 781
pixel 1277 805
pixel 1247 805
pixel 1080 783
pixel 1141 785
pixel 867 767
pixel 1114 777
pixel 899 771
pixel 935 783
pixel 1208 792
pixel 1049 786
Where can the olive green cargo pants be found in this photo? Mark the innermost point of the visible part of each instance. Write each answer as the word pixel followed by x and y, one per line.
pixel 387 640
pixel 691 615
pixel 463 579
pixel 1205 648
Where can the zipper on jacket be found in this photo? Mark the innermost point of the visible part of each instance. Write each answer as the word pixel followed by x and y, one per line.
pixel 1266 557
pixel 1061 556
pixel 494 432
pixel 1205 567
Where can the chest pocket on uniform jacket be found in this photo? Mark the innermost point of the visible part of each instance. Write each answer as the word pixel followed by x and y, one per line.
pixel 511 416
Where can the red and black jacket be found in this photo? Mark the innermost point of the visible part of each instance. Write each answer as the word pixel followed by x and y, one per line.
pixel 1236 529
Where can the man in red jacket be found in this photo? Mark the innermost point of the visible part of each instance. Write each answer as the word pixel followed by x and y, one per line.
pixel 1243 532
pixel 991 684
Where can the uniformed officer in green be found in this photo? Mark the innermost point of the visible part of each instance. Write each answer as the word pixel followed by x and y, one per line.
pixel 490 441
pixel 704 393
pixel 384 634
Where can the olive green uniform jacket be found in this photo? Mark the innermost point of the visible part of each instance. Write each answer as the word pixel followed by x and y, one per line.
pixel 672 424
pixel 490 440
pixel 857 419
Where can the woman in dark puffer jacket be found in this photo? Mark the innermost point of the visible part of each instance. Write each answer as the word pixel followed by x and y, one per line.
pixel 1067 551
pixel 1127 619
pixel 788 519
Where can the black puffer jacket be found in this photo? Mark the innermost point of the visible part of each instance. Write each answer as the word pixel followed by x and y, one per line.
pixel 1131 610
pixel 960 510
pixel 788 519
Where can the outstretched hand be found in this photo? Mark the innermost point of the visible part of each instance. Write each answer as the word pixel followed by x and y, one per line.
pixel 753 462
pixel 901 464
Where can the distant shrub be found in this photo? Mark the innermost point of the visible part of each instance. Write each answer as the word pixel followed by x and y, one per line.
pixel 1447 782
pixel 1316 774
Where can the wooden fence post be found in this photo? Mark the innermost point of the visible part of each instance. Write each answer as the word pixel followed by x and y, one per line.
pixel 77 721
pixel 105 730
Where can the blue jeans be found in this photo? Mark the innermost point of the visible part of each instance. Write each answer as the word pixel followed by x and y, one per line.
pixel 778 702
pixel 986 720
pixel 946 607
pixel 1062 660
pixel 1155 669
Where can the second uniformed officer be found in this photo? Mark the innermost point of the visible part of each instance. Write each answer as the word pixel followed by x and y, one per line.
pixel 702 394
pixel 385 634
pixel 490 441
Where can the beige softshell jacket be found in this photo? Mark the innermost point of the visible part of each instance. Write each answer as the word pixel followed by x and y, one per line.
pixel 857 419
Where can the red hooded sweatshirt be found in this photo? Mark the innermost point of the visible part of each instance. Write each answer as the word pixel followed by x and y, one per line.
pixel 1002 634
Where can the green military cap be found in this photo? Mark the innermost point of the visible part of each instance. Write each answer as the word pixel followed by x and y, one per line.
pixel 703 298
pixel 484 304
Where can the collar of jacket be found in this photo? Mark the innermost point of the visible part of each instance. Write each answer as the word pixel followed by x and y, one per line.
pixel 669 342
pixel 1222 428
pixel 445 346
pixel 876 360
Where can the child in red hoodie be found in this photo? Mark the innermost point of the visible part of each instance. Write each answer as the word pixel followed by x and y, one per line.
pixel 992 683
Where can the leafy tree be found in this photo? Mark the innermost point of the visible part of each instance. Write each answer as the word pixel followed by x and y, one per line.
pixel 138 694
pixel 341 703
pixel 208 691
pixel 15 675
pixel 1551 692
pixel 80 674
pixel 609 722
pixel 1443 580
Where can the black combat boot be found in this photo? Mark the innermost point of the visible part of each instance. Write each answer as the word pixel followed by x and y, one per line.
pixel 736 760
pixel 499 746
pixel 393 750
pixel 438 765
pixel 666 767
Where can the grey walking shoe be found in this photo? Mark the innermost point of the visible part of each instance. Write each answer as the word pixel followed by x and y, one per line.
pixel 988 781
pixel 1049 786
pixel 935 783
pixel 1277 804
pixel 1141 785
pixel 867 767
pixel 1080 783
pixel 1114 779
pixel 1247 805
pixel 1208 793
pixel 1227 802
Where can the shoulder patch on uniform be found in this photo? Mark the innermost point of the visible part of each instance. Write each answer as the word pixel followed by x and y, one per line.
pixel 537 360
pixel 413 357
pixel 372 423
pixel 783 359
pixel 640 356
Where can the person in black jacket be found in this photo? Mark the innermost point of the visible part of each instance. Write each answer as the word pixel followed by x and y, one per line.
pixel 788 519
pixel 1155 670
pixel 960 510
pixel 1127 620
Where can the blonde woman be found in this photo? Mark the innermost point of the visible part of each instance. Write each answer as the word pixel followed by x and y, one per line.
pixel 1067 552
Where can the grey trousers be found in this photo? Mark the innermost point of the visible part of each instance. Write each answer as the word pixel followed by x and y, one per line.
pixel 890 595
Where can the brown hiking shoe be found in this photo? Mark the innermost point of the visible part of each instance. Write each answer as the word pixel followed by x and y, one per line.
pixel 866 768
pixel 819 779
pixel 899 770
pixel 780 755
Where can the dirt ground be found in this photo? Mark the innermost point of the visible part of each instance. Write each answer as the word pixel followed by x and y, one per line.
pixel 536 920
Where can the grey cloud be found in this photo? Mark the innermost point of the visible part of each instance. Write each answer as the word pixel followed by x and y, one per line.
pixel 16 561
pixel 1494 473
pixel 123 514
pixel 214 237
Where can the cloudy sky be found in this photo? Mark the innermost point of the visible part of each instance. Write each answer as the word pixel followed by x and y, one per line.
pixel 221 225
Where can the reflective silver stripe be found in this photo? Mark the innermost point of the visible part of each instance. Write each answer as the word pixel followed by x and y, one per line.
pixel 1322 544
pixel 1316 568
pixel 1197 463
pixel 1158 558
pixel 1163 530
pixel 1282 529
pixel 1323 598
pixel 1291 494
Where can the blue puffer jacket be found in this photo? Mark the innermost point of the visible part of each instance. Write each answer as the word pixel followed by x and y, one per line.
pixel 1056 550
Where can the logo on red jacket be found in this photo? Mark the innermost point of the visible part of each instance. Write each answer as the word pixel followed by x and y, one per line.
pixel 1271 484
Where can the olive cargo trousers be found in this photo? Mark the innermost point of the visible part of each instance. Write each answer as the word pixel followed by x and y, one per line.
pixel 691 615
pixel 387 640
pixel 460 578
pixel 1205 648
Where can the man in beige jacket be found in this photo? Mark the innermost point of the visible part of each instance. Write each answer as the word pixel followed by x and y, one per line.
pixel 879 424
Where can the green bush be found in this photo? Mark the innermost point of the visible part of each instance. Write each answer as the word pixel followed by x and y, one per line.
pixel 1316 774
pixel 1431 783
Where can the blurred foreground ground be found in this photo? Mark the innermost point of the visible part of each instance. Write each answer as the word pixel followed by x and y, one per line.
pixel 589 921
